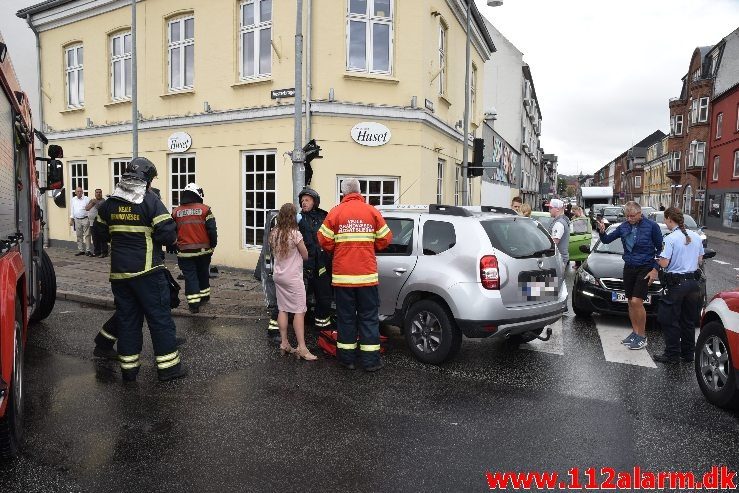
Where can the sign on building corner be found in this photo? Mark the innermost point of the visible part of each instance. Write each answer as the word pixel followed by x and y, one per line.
pixel 179 142
pixel 370 134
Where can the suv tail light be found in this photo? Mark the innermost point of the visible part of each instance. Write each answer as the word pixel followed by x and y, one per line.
pixel 489 274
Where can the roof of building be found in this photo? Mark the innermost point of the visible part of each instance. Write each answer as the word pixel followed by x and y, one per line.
pixel 655 136
pixel 41 7
pixel 727 73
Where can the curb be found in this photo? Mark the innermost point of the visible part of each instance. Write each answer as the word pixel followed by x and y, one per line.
pixel 179 312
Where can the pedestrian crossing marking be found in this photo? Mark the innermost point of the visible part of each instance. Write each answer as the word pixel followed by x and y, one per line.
pixel 611 336
pixel 721 262
pixel 555 344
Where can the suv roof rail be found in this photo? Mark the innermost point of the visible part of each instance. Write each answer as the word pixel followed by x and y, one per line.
pixel 449 210
pixel 499 210
pixel 397 207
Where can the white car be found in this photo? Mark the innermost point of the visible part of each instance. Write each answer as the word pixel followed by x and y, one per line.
pixel 659 218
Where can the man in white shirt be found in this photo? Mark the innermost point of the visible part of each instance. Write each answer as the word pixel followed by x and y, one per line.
pixel 78 219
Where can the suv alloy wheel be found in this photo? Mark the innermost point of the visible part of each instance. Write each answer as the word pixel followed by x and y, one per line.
pixel 430 334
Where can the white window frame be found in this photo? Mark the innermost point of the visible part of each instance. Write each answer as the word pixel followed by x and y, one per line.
pixel 74 77
pixel 370 21
pixel 637 181
pixel 250 237
pixel 675 162
pixel 688 198
pixel 719 125
pixel 716 167
pixel 174 185
pixel 117 168
pixel 693 111
pixel 181 44
pixel 678 124
pixel 256 29
pixel 457 181
pixel 736 165
pixel 78 177
pixel 443 57
pixel 392 197
pixel 703 110
pixel 440 165
pixel 699 156
pixel 121 59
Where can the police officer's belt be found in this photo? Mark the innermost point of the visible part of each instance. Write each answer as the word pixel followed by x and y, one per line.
pixel 672 278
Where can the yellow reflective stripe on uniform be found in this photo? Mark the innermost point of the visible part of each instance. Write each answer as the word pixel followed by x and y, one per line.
pixel 169 364
pixel 343 345
pixel 321 271
pixel 325 231
pixel 128 359
pixel 209 217
pixel 205 291
pixel 369 347
pixel 195 254
pixel 117 276
pixel 344 237
pixel 106 335
pixel 347 279
pixel 382 232
pixel 167 357
pixel 273 323
pixel 160 218
pixel 122 228
pixel 130 366
pixel 149 252
pixel 100 220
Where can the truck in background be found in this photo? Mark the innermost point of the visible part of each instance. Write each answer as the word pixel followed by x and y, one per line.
pixel 589 196
pixel 27 278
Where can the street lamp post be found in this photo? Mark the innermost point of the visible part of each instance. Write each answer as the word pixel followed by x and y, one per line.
pixel 134 87
pixel 297 155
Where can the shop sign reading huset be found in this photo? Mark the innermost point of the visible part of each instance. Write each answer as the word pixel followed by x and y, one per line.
pixel 179 142
pixel 371 134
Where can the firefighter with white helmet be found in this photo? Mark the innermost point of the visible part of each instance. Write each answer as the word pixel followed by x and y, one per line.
pixel 197 236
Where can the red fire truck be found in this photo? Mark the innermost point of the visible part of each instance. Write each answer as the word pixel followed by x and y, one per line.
pixel 27 278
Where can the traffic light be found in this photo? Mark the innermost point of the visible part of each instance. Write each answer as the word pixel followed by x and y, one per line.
pixel 475 168
pixel 311 151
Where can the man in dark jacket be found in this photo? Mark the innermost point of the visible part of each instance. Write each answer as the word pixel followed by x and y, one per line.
pixel 642 241
pixel 133 219
pixel 197 236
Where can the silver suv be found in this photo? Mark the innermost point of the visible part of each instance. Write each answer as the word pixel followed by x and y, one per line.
pixel 474 271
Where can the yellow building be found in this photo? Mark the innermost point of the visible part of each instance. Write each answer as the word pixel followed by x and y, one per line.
pixel 208 73
pixel 656 184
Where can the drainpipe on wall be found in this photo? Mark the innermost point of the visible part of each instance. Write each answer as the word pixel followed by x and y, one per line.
pixel 43 202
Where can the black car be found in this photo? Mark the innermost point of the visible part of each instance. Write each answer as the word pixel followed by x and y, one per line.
pixel 599 285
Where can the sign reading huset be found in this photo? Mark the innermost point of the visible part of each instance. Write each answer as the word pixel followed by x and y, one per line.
pixel 371 134
pixel 179 142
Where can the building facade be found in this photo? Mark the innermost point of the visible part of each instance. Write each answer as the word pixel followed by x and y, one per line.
pixel 656 184
pixel 689 129
pixel 722 208
pixel 386 84
pixel 531 152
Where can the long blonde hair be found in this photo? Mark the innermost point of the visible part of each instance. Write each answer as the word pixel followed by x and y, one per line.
pixel 526 210
pixel 279 238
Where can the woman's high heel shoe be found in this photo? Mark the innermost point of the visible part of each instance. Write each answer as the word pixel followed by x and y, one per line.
pixel 306 355
pixel 287 350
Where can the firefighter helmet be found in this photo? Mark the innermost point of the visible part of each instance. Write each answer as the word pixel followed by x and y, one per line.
pixel 141 168
pixel 193 187
pixel 312 193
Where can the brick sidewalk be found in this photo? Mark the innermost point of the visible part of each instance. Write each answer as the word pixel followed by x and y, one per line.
pixel 235 294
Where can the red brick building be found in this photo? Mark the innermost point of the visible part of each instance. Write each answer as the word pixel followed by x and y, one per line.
pixel 723 155
pixel 690 124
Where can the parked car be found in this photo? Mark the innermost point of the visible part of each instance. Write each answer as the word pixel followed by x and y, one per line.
pixel 614 214
pixel 717 351
pixel 599 285
pixel 453 271
pixel 646 210
pixel 581 233
pixel 659 218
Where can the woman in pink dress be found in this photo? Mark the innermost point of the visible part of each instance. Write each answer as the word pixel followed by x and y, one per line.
pixel 288 252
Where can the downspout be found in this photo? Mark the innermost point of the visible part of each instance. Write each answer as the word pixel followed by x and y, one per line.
pixel 42 203
pixel 308 78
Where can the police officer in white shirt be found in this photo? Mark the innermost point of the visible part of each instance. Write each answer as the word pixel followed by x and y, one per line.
pixel 680 306
pixel 78 219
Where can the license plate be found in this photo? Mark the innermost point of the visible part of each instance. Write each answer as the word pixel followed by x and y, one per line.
pixel 621 298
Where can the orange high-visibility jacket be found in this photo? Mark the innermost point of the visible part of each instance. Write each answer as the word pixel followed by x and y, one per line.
pixel 196 229
pixel 353 231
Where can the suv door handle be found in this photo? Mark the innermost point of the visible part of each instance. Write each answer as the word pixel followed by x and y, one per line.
pixel 400 270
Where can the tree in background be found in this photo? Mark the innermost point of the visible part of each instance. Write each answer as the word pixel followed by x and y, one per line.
pixel 561 185
pixel 570 191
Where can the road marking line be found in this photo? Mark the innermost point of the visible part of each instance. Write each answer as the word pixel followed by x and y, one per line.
pixel 721 262
pixel 611 336
pixel 555 344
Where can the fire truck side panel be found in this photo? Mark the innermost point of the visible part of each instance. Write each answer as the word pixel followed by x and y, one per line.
pixel 11 281
pixel 8 209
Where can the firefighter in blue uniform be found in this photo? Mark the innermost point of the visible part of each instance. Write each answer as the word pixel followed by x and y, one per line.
pixel 136 223
pixel 197 236
pixel 317 269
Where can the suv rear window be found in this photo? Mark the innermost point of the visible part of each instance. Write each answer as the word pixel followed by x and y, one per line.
pixel 519 238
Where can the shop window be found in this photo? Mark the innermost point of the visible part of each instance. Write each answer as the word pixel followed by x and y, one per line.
pixel 256 38
pixel 181 172
pixel 731 210
pixel 181 53
pixel 377 190
pixel 369 33
pixel 259 190
pixel 75 76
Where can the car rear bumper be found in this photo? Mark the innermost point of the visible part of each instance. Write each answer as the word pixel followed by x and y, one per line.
pixel 596 299
pixel 505 328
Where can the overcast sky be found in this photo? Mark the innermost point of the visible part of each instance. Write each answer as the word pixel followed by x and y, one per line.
pixel 603 70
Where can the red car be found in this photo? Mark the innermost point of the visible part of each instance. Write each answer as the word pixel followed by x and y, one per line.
pixel 717 351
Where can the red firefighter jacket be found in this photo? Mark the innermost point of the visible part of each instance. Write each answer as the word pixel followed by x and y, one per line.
pixel 196 230
pixel 353 231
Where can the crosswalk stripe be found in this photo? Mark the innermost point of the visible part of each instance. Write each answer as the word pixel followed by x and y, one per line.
pixel 721 262
pixel 611 336
pixel 555 344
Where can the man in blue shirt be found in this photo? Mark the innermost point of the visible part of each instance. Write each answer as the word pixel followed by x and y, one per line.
pixel 642 241
pixel 680 306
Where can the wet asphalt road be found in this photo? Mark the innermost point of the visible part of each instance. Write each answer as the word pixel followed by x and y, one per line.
pixel 247 419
